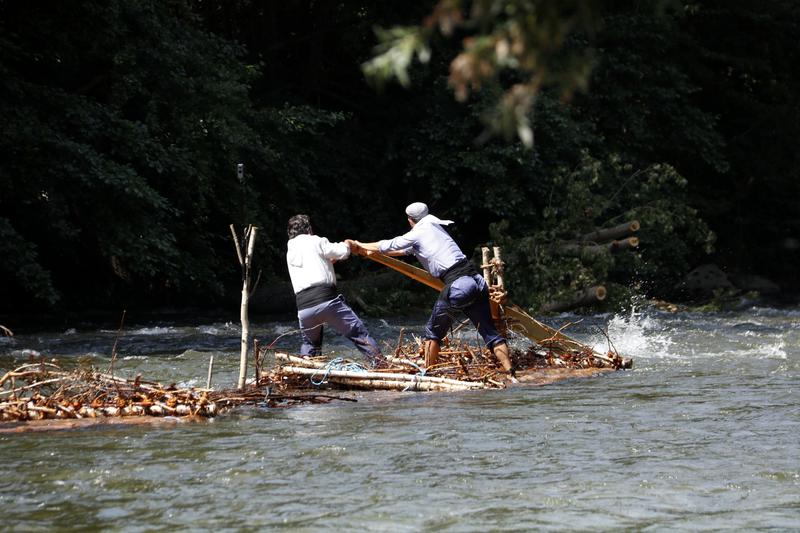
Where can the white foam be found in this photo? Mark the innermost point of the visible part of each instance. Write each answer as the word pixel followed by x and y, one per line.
pixel 157 330
pixel 637 335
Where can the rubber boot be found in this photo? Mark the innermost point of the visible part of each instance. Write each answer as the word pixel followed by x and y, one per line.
pixel 431 353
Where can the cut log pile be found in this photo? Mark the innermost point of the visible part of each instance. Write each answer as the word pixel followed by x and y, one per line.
pixel 45 390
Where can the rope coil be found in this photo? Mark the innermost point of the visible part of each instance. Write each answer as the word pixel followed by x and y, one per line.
pixel 337 364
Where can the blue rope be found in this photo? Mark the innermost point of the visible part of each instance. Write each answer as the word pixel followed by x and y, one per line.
pixel 421 371
pixel 336 364
pixel 419 374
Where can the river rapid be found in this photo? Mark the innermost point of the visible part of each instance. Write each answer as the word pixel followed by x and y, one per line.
pixel 702 434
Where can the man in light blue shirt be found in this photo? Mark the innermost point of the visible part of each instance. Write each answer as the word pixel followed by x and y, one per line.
pixel 464 290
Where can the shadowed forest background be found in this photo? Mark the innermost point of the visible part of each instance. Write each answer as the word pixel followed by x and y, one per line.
pixel 123 123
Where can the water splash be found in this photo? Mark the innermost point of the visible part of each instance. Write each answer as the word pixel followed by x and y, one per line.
pixel 637 335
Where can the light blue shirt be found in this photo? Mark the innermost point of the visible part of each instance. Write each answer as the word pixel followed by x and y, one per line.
pixel 429 243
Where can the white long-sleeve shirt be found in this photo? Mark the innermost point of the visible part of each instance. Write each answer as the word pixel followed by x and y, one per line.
pixel 430 243
pixel 309 259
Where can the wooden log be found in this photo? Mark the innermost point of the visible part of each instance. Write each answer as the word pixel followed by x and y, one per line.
pixel 486 265
pixel 386 384
pixel 587 296
pixel 299 361
pixel 624 244
pixel 593 251
pixel 621 231
pixel 498 270
pixel 381 376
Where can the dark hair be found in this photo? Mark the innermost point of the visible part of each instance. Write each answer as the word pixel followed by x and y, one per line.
pixel 298 225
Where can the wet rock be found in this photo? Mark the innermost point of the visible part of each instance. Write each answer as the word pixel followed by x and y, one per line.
pixel 752 282
pixel 705 278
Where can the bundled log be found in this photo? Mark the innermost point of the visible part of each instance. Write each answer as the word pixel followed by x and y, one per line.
pixel 582 298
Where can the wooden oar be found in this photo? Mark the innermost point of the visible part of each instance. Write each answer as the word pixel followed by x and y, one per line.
pixel 520 321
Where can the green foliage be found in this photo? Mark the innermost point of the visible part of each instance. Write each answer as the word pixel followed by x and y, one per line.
pixel 123 124
pixel 603 193
pixel 122 148
pixel 21 266
pixel 523 38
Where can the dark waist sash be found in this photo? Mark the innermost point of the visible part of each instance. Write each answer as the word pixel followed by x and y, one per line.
pixel 315 295
pixel 458 270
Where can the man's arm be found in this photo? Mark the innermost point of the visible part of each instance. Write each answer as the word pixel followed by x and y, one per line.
pixel 334 251
pixel 365 248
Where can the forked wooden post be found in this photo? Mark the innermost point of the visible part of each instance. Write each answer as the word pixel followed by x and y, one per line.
pixel 244 251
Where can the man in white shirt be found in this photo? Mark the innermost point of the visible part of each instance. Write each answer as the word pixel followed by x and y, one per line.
pixel 465 289
pixel 310 260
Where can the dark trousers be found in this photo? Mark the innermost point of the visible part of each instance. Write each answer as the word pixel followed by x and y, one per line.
pixel 470 295
pixel 338 315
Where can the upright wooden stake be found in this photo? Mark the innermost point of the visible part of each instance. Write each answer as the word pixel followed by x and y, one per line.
pixel 257 360
pixel 498 268
pixel 246 262
pixel 210 371
pixel 486 266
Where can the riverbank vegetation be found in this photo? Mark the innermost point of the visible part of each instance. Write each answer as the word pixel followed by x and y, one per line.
pixel 124 122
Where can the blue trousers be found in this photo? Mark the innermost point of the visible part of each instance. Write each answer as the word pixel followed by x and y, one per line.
pixel 468 294
pixel 338 315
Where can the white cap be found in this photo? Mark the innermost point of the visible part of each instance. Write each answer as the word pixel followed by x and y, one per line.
pixel 416 211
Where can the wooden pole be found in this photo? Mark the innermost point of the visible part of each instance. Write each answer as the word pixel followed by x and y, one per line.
pixel 210 371
pixel 498 268
pixel 244 252
pixel 497 286
pixel 486 266
pixel 257 360
pixel 250 238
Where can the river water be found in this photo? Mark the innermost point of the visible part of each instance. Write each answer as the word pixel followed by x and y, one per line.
pixel 702 434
